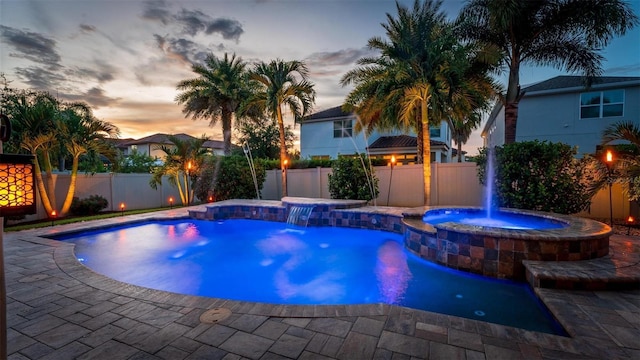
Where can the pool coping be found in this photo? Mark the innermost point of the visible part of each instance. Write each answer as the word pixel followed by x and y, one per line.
pixel 67 263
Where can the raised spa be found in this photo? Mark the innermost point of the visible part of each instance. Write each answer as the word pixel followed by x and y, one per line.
pixel 466 239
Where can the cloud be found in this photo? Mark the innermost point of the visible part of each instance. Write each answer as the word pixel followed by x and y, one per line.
pixel 31 46
pixel 192 22
pixel 629 69
pixel 40 78
pixel 184 50
pixel 102 72
pixel 156 10
pixel 87 28
pixel 95 97
pixel 341 57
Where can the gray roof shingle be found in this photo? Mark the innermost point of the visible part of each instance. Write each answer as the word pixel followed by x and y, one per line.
pixel 565 81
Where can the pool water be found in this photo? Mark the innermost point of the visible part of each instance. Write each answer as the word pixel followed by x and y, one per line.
pixel 262 261
pixel 503 220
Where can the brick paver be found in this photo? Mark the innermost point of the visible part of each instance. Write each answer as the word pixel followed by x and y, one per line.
pixel 57 309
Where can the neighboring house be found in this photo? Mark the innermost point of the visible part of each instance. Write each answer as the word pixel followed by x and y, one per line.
pixel 330 133
pixel 150 145
pixel 561 109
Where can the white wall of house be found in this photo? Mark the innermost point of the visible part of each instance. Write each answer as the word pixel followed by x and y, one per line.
pixel 556 118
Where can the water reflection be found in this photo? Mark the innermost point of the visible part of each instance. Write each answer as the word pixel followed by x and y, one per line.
pixel 392 272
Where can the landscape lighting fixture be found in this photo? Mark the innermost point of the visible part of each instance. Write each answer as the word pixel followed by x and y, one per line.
pixel 17 185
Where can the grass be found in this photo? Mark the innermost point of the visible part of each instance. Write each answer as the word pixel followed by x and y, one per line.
pixel 74 219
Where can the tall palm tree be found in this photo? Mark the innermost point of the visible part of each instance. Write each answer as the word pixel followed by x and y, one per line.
pixel 281 84
pixel 628 163
pixel 566 34
pixel 181 163
pixel 81 133
pixel 216 93
pixel 412 77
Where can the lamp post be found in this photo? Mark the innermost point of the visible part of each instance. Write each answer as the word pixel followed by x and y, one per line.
pixel 392 163
pixel 187 182
pixel 284 176
pixel 53 216
pixel 630 221
pixel 170 202
pixel 609 163
pixel 121 209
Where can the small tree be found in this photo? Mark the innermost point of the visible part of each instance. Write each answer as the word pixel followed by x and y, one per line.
pixel 539 176
pixel 352 178
pixel 263 137
pixel 136 162
pixel 228 177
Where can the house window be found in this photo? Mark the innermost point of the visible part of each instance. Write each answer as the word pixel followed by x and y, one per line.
pixel 434 132
pixel 342 128
pixel 599 104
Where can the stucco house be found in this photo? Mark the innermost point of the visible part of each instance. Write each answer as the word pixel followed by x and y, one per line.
pixel 329 133
pixel 561 109
pixel 150 145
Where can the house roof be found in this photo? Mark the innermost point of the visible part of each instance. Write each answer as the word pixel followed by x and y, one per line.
pixel 164 139
pixel 119 143
pixel 567 82
pixel 331 113
pixel 399 141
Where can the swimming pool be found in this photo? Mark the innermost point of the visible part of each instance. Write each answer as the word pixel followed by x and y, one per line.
pixel 264 261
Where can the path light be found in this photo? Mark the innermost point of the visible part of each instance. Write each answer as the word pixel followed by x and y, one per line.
pixel 630 221
pixel 170 202
pixel 53 216
pixel 609 163
pixel 285 163
pixel 17 185
pixel 187 181
pixel 392 164
pixel 122 208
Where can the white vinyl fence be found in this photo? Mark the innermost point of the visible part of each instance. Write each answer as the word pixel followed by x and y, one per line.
pixel 452 184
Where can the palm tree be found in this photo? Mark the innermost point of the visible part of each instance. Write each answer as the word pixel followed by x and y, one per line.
pixel 181 164
pixel 277 84
pixel 566 34
pixel 216 93
pixel 629 162
pixel 412 78
pixel 81 133
pixel 34 125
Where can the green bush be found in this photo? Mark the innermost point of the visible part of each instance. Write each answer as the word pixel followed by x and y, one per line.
pixel 228 177
pixel 539 176
pixel 352 179
pixel 89 206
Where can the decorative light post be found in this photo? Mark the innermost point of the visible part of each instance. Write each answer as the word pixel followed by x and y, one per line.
pixel 170 202
pixel 392 164
pixel 121 209
pixel 187 182
pixel 53 216
pixel 630 221
pixel 609 163
pixel 285 163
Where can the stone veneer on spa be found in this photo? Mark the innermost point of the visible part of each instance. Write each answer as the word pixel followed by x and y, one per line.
pixel 486 251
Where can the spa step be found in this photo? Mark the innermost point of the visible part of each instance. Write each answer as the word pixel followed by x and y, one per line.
pixel 620 270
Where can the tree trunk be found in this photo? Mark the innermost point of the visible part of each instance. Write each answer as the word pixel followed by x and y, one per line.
pixel 51 188
pixel 459 151
pixel 419 159
pixel 426 152
pixel 283 151
pixel 226 131
pixel 41 189
pixel 72 187
pixel 511 103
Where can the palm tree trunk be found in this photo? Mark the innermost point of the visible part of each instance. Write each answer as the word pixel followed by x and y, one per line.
pixel 72 187
pixel 426 152
pixel 512 101
pixel 41 189
pixel 179 186
pixel 283 151
pixel 459 150
pixel 226 131
pixel 419 159
pixel 48 169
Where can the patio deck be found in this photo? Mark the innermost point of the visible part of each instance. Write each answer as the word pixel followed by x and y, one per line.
pixel 59 309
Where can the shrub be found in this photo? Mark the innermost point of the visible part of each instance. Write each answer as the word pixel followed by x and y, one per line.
pixel 89 206
pixel 228 177
pixel 352 179
pixel 539 176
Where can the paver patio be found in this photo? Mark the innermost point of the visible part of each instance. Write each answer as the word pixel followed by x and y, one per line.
pixel 59 309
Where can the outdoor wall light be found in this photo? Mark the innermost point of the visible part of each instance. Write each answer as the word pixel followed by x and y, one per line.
pixel 17 185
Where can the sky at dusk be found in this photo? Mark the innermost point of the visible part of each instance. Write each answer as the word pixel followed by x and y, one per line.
pixel 125 57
